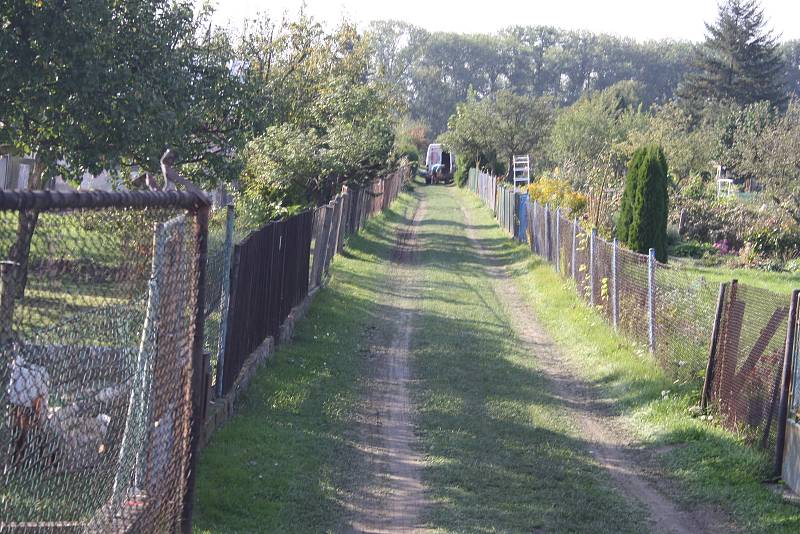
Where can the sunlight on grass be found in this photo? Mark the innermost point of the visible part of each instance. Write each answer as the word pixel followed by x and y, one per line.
pixel 708 464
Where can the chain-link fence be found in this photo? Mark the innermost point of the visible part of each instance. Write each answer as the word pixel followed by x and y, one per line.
pixel 746 372
pixel 99 300
pixel 660 306
pixel 672 312
pixel 107 303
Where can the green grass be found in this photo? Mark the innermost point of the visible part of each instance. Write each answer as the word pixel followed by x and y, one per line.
pixel 286 461
pixel 704 463
pixel 500 453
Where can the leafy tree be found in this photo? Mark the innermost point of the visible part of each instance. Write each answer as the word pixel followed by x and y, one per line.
pixel 643 212
pixel 93 85
pixel 468 130
pixel 336 125
pixel 772 155
pixel 739 59
pixel 498 127
pixel 690 149
pixel 520 125
pixel 96 85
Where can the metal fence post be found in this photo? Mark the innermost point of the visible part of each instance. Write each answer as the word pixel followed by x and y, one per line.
pixel 557 257
pixel 712 352
pixel 651 300
pixel 574 243
pixel 592 236
pixel 786 379
pixel 534 227
pixel 197 395
pixel 225 296
pixel 547 232
pixel 614 286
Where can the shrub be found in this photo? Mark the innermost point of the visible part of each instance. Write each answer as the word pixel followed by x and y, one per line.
pixel 557 193
pixel 694 249
pixel 779 242
pixel 643 214
pixel 712 221
pixel 462 170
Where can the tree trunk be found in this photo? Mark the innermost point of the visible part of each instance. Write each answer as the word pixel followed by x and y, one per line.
pixel 14 272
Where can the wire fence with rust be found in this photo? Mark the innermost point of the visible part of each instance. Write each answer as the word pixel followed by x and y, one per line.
pixel 742 354
pixel 110 306
pixel 99 304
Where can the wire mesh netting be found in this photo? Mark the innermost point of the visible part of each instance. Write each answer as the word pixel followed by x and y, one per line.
pixel 602 273
pixel 582 264
pixel 672 312
pixel 631 290
pixel 565 246
pixel 97 308
pixel 221 235
pixel 684 306
pixel 746 378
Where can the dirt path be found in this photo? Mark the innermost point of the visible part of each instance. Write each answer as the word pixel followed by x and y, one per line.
pixel 391 496
pixel 611 446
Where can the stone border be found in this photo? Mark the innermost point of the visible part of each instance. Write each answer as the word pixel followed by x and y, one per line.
pixel 220 410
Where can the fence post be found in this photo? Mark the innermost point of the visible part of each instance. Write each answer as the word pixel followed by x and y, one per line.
pixel 225 296
pixel 558 240
pixel 592 236
pixel 547 232
pixel 574 243
pixel 651 300
pixel 712 352
pixel 614 287
pixel 786 379
pixel 196 428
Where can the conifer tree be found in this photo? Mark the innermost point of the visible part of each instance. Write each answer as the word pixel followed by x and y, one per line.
pixel 643 215
pixel 739 59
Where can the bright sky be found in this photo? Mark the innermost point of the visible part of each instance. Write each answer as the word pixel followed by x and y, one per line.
pixel 640 19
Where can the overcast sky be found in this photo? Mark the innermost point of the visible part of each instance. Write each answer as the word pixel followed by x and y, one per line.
pixel 640 19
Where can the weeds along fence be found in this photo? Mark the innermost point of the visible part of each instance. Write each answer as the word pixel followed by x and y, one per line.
pixel 735 339
pixel 101 325
pixel 112 308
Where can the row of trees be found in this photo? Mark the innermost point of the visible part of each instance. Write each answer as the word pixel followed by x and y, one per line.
pixel 94 85
pixel 435 71
pixel 733 109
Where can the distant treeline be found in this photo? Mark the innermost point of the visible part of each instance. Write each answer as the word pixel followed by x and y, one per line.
pixel 436 69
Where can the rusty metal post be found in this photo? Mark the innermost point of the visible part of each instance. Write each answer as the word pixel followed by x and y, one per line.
pixel 712 352
pixel 198 372
pixel 786 379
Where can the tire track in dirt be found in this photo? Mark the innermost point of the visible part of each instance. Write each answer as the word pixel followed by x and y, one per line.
pixel 610 445
pixel 390 498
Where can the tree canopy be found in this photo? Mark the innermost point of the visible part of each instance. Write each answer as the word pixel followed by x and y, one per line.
pixel 96 85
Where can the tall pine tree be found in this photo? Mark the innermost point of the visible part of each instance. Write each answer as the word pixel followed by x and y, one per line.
pixel 739 59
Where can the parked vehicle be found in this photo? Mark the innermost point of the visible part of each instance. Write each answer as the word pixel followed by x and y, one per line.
pixel 441 165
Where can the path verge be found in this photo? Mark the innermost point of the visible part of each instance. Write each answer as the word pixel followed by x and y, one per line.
pixel 611 446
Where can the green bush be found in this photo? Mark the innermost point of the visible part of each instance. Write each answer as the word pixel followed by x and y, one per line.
pixel 777 242
pixel 462 170
pixel 643 214
pixel 694 249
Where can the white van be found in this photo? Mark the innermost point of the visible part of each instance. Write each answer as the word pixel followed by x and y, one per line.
pixel 446 162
